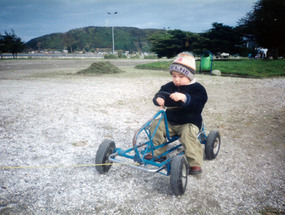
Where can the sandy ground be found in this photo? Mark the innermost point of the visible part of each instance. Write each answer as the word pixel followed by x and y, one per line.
pixel 51 117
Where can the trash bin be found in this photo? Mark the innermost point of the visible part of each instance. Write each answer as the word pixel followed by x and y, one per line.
pixel 206 61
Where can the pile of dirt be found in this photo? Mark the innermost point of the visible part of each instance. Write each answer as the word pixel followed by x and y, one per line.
pixel 101 68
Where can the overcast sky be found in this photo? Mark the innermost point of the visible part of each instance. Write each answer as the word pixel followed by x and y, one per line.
pixel 35 18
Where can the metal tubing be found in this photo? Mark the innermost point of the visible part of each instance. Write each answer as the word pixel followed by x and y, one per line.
pixel 112 159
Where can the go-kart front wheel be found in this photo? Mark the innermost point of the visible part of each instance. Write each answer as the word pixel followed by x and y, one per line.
pixel 213 144
pixel 178 176
pixel 106 148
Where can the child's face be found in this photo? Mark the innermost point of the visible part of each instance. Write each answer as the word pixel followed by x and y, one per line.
pixel 179 79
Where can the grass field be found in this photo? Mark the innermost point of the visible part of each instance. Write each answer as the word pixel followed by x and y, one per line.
pixel 244 67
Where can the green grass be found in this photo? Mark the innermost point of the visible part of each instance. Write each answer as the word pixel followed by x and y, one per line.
pixel 243 68
pixel 159 65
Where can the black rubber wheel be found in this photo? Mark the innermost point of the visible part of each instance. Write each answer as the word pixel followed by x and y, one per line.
pixel 178 176
pixel 106 148
pixel 213 144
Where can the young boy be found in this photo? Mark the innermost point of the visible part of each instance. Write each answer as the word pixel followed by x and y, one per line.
pixel 185 121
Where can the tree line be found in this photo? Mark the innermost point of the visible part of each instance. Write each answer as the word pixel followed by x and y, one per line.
pixel 94 38
pixel 220 38
pixel 263 26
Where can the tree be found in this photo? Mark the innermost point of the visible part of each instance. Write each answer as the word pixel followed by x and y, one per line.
pixel 68 41
pixel 11 43
pixel 2 45
pixel 222 38
pixel 266 24
pixel 169 44
pixel 197 43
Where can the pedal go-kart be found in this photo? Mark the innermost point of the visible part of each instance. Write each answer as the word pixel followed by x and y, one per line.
pixel 175 164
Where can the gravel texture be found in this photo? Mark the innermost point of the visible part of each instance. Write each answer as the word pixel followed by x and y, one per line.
pixel 51 117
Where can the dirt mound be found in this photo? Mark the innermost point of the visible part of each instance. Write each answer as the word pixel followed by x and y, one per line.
pixel 101 68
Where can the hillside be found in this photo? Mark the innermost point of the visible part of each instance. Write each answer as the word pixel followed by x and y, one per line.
pixel 95 38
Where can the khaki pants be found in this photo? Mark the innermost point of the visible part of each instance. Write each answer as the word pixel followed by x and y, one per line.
pixel 188 137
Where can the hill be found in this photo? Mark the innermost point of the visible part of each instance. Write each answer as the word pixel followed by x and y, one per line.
pixel 95 38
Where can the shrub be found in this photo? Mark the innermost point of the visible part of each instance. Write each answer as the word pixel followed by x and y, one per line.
pixel 122 56
pixel 110 56
pixel 150 57
pixel 135 56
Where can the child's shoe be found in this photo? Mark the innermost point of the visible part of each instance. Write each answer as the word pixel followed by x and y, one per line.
pixel 149 157
pixel 195 170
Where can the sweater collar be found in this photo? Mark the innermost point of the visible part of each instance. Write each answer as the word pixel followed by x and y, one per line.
pixel 193 81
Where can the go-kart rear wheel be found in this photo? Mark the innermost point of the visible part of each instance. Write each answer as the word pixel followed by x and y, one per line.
pixel 212 145
pixel 106 148
pixel 178 176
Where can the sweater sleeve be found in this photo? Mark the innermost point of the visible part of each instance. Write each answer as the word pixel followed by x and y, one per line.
pixel 187 101
pixel 196 99
pixel 160 95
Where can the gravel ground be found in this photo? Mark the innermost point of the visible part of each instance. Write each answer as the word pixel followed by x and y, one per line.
pixel 52 117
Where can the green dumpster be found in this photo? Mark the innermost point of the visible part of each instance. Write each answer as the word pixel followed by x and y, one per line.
pixel 206 61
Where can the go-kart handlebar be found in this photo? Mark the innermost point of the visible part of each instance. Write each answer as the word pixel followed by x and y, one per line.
pixel 168 102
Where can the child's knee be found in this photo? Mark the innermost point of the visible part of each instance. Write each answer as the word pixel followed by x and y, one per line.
pixel 194 130
pixel 154 124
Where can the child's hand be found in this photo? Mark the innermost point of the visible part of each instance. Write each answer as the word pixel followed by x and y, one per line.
pixel 160 102
pixel 178 97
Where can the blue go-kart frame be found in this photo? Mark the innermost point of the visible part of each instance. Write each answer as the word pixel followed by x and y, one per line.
pixel 175 163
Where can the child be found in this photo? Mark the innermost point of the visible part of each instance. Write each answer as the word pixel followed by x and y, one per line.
pixel 185 121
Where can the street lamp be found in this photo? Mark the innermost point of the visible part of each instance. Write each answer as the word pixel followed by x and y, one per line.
pixel 113 42
pixel 166 29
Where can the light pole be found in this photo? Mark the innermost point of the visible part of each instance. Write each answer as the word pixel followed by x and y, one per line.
pixel 113 41
pixel 166 29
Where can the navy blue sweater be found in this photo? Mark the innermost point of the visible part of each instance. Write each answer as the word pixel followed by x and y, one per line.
pixel 189 112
